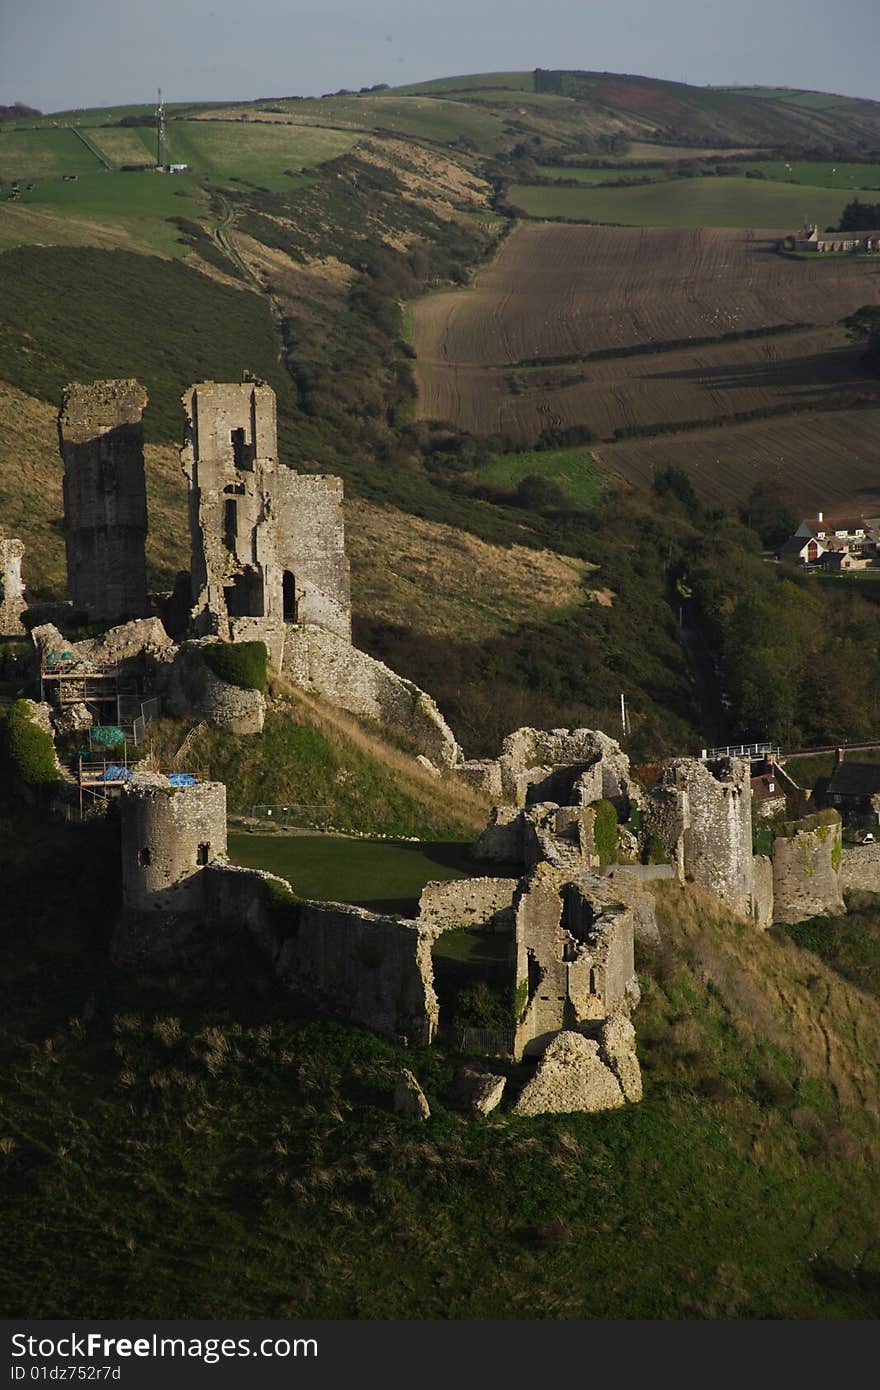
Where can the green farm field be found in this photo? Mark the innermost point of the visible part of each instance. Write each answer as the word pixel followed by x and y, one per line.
pixel 32 154
pixel 254 152
pixel 813 173
pixel 381 875
pixel 820 174
pixel 710 202
pixel 421 117
pixel 133 207
pixel 574 471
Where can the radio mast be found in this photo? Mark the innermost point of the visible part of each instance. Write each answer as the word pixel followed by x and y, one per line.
pixel 160 131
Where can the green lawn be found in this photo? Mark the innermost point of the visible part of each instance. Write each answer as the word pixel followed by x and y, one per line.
pixel 379 874
pixel 31 154
pixel 708 202
pixel 581 478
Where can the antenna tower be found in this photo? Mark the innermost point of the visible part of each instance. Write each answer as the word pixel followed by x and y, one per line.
pixel 160 130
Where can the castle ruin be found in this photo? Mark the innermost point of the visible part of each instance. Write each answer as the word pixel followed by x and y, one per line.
pixel 268 544
pixel 101 437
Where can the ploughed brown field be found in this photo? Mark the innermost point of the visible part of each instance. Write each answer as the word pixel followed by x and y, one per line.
pixel 829 460
pixel 557 291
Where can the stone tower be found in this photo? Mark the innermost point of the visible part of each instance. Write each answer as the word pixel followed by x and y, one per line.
pixel 702 814
pixel 101 436
pixel 169 834
pixel 268 544
pixel 12 600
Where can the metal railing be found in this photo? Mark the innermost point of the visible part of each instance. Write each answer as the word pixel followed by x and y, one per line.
pixel 489 1042
pixel 742 750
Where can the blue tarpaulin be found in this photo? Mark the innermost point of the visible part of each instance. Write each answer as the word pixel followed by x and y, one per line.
pixel 181 779
pixel 113 772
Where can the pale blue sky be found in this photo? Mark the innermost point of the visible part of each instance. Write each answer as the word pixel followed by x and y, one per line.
pixel 58 54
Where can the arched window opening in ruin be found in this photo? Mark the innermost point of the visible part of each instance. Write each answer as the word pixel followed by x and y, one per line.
pixel 244 597
pixel 144 858
pixel 290 604
pixel 203 854
pixel 230 524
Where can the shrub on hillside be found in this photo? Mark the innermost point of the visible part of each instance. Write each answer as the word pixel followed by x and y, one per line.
pixel 238 663
pixel 27 749
pixel 605 832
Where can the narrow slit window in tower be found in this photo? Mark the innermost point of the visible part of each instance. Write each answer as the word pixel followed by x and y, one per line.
pixel 289 594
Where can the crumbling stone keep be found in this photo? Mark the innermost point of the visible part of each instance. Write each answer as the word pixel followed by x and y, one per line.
pixel 574 955
pixel 12 600
pixel 101 436
pixel 268 544
pixel 701 813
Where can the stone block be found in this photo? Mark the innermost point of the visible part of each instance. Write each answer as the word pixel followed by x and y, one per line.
pixel 410 1100
pixel 571 1076
pixel 477 1092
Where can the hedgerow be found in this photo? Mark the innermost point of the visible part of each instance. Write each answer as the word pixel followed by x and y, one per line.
pixel 27 749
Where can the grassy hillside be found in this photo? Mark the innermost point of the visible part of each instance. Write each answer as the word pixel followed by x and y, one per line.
pixel 199 1144
pixel 310 754
pixel 127 315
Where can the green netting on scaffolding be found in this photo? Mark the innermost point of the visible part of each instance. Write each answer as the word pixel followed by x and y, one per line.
pixel 106 736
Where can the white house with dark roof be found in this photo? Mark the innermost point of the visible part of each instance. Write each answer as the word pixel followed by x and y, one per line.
pixel 837 542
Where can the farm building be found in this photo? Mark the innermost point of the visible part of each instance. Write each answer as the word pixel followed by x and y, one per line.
pixel 809 239
pixel 854 790
pixel 836 542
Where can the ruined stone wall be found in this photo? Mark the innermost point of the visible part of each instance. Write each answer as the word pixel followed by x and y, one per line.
pixel 627 881
pixel 169 835
pixel 189 688
pixel 599 767
pixel 762 871
pixel 806 873
pixel 702 814
pixel 502 840
pixel 268 544
pixel 325 663
pixel 371 969
pixel 12 600
pixel 574 954
pixel 468 902
pixel 101 438
pixel 311 547
pixel 860 869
